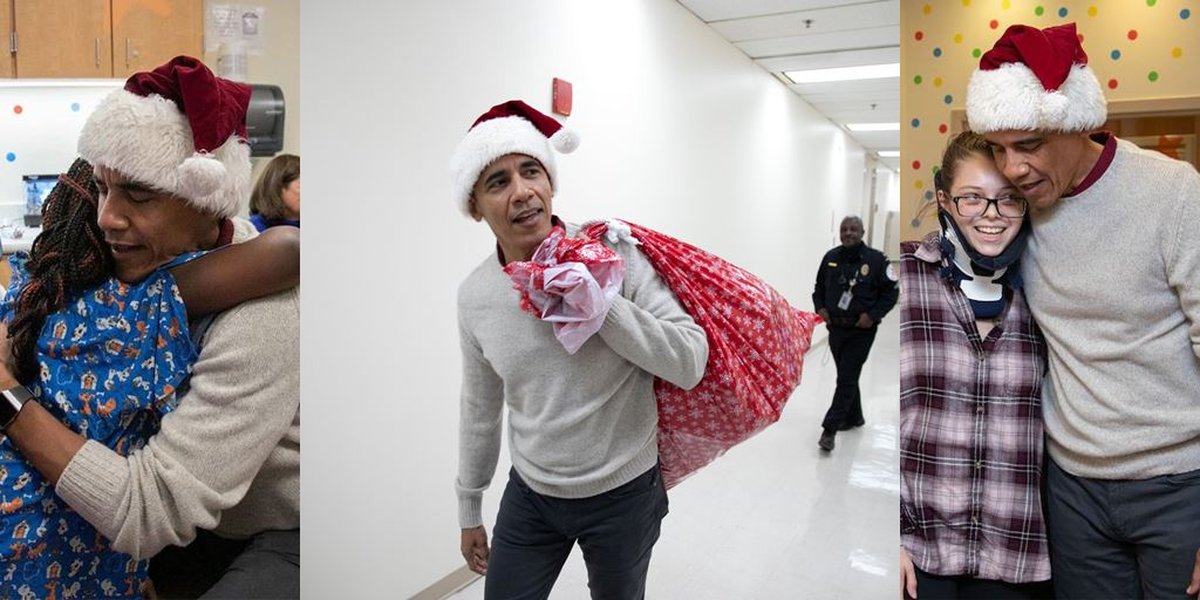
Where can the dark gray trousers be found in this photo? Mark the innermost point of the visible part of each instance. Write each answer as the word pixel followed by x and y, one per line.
pixel 212 567
pixel 616 531
pixel 1122 538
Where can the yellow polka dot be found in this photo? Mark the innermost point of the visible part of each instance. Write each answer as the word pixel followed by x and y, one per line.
pixel 1092 11
pixel 927 9
pixel 1006 5
pixel 918 184
pixel 937 82
pixel 958 38
pixel 966 2
pixel 1176 52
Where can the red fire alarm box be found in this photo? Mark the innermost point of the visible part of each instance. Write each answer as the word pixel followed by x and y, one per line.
pixel 562 97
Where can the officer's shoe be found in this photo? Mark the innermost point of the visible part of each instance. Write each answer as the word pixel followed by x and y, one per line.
pixel 826 441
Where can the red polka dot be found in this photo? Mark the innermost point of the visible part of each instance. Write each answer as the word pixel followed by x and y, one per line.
pixel 18 109
pixel 920 35
pixel 916 165
pixel 1132 34
pixel 1112 84
pixel 942 128
pixel 993 23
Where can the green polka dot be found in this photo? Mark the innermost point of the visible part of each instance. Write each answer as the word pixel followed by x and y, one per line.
pixel 1039 11
pixel 977 53
pixel 917 80
pixel 1151 2
pixel 1153 76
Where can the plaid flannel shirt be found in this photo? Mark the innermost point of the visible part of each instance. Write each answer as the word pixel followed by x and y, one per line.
pixel 970 430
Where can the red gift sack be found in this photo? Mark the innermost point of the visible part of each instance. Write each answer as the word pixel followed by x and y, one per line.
pixel 756 346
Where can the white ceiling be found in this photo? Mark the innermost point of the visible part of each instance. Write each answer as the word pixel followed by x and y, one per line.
pixel 786 35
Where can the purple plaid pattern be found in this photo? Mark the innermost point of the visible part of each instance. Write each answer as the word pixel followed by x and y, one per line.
pixel 970 430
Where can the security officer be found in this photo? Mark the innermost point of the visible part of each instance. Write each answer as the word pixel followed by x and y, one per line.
pixel 855 289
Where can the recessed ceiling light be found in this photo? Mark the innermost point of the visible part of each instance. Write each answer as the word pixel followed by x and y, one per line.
pixel 845 73
pixel 889 154
pixel 873 126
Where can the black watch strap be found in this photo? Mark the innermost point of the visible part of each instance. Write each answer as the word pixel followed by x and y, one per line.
pixel 12 401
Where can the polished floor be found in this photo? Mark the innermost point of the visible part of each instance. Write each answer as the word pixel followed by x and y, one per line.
pixel 775 518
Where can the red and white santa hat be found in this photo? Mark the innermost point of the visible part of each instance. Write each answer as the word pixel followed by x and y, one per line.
pixel 179 129
pixel 1035 79
pixel 509 128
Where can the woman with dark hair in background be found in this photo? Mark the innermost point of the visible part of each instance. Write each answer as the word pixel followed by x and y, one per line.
pixel 276 196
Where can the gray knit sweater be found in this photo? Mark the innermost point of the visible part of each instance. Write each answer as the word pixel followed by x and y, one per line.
pixel 1112 276
pixel 227 459
pixel 578 425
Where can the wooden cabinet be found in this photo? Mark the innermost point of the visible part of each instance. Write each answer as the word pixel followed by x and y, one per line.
pixel 103 38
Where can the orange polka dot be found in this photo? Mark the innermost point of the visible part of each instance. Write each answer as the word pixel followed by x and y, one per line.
pixel 1132 34
pixel 18 109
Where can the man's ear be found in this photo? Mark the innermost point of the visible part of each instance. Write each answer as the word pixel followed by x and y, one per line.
pixel 475 214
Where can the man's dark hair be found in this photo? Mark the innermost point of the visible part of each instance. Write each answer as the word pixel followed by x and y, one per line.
pixel 68 257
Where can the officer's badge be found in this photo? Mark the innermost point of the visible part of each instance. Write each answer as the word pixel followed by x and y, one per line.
pixel 865 270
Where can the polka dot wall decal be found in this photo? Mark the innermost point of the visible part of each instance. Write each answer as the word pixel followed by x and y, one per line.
pixel 958 38
pixel 918 184
pixel 977 53
pixel 993 24
pixel 1037 10
pixel 948 99
pixel 920 35
pixel 966 2
pixel 1184 14
pixel 1153 76
pixel 1132 35
pixel 1151 2
pixel 1115 54
pixel 937 82
pixel 1176 52
pixel 10 157
pixel 937 52
pixel 74 107
pixel 1006 4
pixel 1092 11
pixel 1062 12
pixel 929 194
pixel 917 80
pixel 18 109
pixel 1112 84
pixel 916 164
pixel 916 122
pixel 942 128
pixel 927 9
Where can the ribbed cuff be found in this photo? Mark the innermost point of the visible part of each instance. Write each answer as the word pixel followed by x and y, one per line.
pixel 470 512
pixel 93 484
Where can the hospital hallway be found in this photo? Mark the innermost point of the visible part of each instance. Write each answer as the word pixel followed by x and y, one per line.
pixel 776 518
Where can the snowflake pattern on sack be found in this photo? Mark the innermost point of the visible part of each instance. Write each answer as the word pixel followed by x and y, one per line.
pixel 111 361
pixel 756 347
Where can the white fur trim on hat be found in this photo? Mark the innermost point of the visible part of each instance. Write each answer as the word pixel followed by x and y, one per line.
pixel 147 139
pixel 490 140
pixel 1012 98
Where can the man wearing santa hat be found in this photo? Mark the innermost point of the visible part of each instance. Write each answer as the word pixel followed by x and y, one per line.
pixel 223 472
pixel 581 425
pixel 1112 276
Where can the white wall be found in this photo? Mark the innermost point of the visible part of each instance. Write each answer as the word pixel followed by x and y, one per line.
pixel 680 132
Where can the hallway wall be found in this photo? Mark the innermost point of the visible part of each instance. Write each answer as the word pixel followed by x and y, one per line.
pixel 680 132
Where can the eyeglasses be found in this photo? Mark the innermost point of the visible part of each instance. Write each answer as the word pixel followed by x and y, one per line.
pixel 972 205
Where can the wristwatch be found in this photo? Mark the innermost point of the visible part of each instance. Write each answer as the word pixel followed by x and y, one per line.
pixel 12 401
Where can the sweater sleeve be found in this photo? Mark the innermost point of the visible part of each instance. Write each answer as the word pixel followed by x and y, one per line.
pixel 243 398
pixel 648 327
pixel 1183 256
pixel 480 415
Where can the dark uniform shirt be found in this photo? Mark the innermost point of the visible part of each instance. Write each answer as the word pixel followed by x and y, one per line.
pixel 861 270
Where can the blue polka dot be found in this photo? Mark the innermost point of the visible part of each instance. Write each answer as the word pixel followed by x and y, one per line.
pixel 937 52
pixel 10 157
pixel 74 107
pixel 948 99
pixel 1184 14
pixel 929 194
pixel 1116 54
pixel 916 122
pixel 1062 12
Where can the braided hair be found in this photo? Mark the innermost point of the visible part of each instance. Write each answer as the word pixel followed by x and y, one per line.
pixel 68 257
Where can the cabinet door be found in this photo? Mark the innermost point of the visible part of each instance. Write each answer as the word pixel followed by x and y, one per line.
pixel 6 58
pixel 148 33
pixel 63 38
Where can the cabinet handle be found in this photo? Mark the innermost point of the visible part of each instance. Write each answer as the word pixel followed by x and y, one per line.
pixel 12 43
pixel 97 53
pixel 127 53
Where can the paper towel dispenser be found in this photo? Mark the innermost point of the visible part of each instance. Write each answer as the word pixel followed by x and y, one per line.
pixel 264 120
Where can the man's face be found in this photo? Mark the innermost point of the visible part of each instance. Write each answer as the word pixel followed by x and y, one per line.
pixel 513 195
pixel 1044 166
pixel 145 227
pixel 851 232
